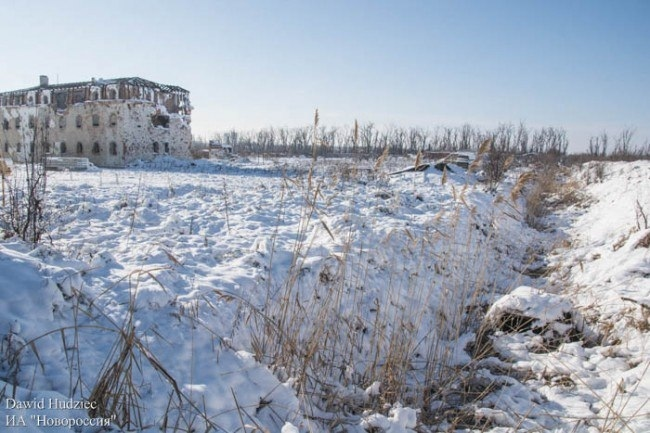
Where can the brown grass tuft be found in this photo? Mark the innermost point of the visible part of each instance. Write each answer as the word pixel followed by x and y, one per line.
pixel 483 150
pixel 546 194
pixel 523 180
pixel 382 158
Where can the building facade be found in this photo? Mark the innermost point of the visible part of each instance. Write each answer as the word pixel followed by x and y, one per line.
pixel 110 122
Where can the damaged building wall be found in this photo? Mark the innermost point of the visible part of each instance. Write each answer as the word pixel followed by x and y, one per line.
pixel 110 122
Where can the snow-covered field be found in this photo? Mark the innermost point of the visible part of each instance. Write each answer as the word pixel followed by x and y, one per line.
pixel 257 296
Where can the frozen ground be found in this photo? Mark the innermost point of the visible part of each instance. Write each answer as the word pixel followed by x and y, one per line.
pixel 196 279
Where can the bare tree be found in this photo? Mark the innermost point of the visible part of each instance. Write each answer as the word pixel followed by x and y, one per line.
pixel 283 138
pixel 231 138
pixel 301 141
pixel 368 135
pixel 623 143
pixel 496 161
pixel 417 139
pixel 449 139
pixel 503 137
pixel 604 141
pixel 25 215
pixel 594 146
pixel 598 144
pixel 355 136
pixel 521 138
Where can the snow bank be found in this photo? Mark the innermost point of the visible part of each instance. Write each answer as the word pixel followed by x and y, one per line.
pixel 197 258
pixel 595 377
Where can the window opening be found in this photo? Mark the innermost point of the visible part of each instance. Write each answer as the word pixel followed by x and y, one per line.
pixel 160 120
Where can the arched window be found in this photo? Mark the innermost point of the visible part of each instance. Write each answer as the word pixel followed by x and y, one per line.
pixel 63 147
pixel 80 147
pixel 61 98
pixel 78 120
pixel 78 96
pixel 113 119
pixel 95 119
pixel 156 147
pixel 46 100
pixel 167 148
pixel 19 147
pixel 17 122
pixel 113 148
pixel 96 147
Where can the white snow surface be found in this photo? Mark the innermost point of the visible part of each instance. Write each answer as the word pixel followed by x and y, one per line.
pixel 531 302
pixel 189 256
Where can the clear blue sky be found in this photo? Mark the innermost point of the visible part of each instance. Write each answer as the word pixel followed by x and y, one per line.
pixel 580 65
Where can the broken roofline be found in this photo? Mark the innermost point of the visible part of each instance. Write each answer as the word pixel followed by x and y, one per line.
pixel 134 81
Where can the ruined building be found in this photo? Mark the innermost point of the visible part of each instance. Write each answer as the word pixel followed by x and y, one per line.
pixel 110 122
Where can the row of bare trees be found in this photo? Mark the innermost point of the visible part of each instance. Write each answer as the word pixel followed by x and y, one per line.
pixel 621 145
pixel 368 139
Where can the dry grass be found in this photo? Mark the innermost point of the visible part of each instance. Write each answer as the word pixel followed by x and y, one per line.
pixel 545 190
pixel 5 169
pixel 115 393
pixel 117 390
pixel 334 353
pixel 641 217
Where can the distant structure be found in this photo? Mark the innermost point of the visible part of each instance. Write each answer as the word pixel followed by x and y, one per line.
pixel 110 122
pixel 217 148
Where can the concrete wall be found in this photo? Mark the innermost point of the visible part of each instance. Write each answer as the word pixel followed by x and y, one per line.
pixel 112 133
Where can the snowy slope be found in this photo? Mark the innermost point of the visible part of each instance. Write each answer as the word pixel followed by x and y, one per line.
pixel 607 271
pixel 594 378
